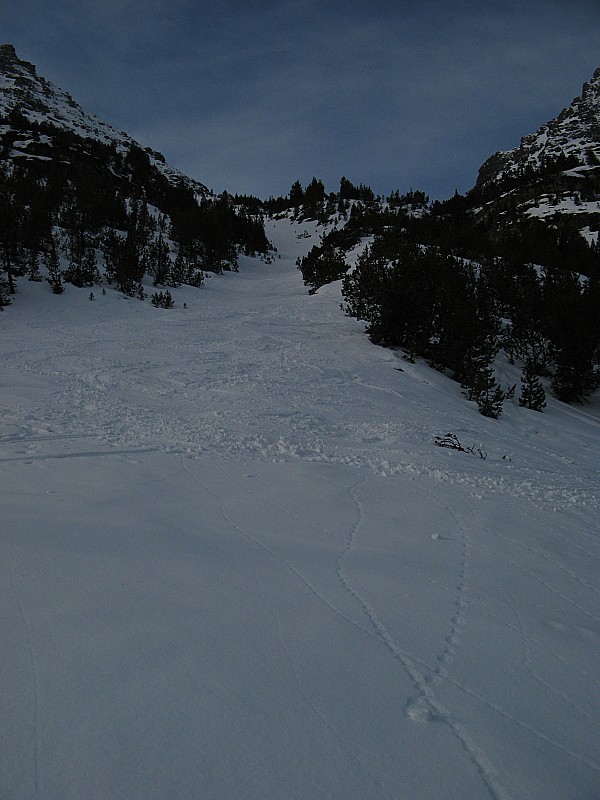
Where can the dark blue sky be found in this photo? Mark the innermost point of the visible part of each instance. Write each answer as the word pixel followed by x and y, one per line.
pixel 250 96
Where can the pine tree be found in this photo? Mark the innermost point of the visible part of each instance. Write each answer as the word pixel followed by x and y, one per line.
pixel 162 299
pixel 54 271
pixel 125 262
pixel 179 269
pixel 4 296
pixel 34 267
pixel 91 274
pixel 296 195
pixel 83 268
pixel 533 395
pixel 314 194
pixel 11 215
pixel 574 332
pixel 186 269
pixel 347 190
pixel 490 396
pixel 482 387
pixel 159 262
pixel 76 251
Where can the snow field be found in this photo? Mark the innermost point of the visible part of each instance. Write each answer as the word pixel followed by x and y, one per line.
pixel 234 563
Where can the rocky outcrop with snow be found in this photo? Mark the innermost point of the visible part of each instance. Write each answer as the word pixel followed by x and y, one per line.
pixel 553 175
pixel 33 113
pixel 574 135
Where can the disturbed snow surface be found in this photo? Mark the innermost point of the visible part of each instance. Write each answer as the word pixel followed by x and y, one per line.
pixel 235 565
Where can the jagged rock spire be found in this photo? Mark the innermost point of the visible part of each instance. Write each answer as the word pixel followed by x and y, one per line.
pixel 574 133
pixel 10 61
pixel 39 102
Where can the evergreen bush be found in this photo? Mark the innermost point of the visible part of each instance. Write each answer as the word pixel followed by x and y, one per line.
pixel 533 395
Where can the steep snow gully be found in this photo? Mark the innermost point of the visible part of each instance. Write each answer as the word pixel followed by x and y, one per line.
pixel 235 565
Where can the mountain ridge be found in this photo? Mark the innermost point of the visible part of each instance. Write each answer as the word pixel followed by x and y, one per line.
pixel 554 171
pixel 24 92
pixel 74 188
pixel 552 175
pixel 575 132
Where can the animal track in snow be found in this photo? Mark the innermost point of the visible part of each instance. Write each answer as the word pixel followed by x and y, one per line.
pixel 425 707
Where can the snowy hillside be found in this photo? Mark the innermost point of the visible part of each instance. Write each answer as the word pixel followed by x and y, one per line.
pixel 236 565
pixel 73 188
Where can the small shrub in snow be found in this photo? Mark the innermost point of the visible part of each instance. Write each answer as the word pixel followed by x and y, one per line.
pixel 490 402
pixel 162 299
pixel 451 441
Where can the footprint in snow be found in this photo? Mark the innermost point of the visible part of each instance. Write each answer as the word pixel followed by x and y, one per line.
pixel 418 711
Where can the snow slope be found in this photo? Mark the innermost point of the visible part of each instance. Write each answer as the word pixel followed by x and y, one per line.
pixel 235 565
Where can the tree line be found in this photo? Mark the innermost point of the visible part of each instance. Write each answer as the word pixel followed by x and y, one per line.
pixel 450 291
pixel 79 200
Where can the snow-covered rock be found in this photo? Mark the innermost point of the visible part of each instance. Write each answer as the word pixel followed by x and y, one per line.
pixel 574 134
pixel 553 175
pixel 28 101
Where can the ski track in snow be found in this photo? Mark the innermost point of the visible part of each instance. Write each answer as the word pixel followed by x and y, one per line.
pixel 547 585
pixel 95 395
pixel 552 561
pixel 425 707
pixel 318 595
pixel 270 376
pixel 527 661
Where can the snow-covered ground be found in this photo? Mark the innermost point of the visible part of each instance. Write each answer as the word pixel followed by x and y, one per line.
pixel 235 565
pixel 566 205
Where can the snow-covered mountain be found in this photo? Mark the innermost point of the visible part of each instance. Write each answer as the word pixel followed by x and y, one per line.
pixel 244 553
pixel 554 173
pixel 74 188
pixel 30 106
pixel 574 133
